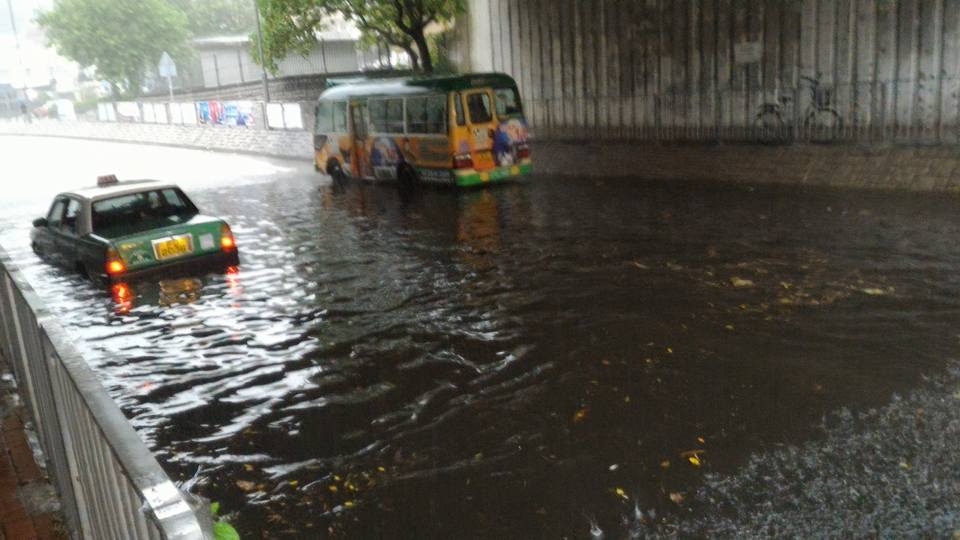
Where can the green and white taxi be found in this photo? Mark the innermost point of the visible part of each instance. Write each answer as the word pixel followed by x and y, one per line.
pixel 122 230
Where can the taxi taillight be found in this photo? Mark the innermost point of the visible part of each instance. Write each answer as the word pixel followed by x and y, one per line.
pixel 227 242
pixel 115 264
pixel 462 161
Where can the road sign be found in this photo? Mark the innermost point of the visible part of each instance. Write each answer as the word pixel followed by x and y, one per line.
pixel 166 67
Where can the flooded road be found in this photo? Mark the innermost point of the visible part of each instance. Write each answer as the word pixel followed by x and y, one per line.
pixel 519 362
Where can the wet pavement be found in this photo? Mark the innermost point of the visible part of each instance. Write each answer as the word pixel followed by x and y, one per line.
pixel 521 362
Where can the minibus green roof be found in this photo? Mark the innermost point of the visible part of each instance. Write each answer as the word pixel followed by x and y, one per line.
pixel 345 89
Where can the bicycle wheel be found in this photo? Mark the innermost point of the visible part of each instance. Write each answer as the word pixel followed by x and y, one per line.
pixel 768 127
pixel 823 124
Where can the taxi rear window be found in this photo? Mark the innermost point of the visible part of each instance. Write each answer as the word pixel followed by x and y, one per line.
pixel 137 212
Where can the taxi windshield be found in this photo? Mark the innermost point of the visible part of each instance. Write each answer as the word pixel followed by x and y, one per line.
pixel 138 212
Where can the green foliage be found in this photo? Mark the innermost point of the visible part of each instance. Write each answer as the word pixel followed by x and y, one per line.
pixel 86 104
pixel 207 18
pixel 440 51
pixel 120 37
pixel 290 26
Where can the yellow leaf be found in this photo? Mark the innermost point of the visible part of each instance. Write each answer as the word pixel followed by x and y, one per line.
pixel 294 483
pixel 333 488
pixel 626 399
pixel 381 469
pixel 665 464
pixel 729 327
pixel 580 415
pixel 669 350
pixel 694 460
pixel 676 497
pixel 701 440
pixel 348 504
pixel 245 485
pixel 247 467
pixel 621 493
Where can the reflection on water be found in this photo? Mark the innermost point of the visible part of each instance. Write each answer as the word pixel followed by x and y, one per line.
pixel 164 292
pixel 518 362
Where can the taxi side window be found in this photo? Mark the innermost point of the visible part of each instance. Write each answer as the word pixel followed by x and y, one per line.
pixel 55 216
pixel 70 218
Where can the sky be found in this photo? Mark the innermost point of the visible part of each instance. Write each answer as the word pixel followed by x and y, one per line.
pixel 40 62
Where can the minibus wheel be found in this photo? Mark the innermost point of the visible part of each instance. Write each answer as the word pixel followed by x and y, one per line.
pixel 335 170
pixel 408 177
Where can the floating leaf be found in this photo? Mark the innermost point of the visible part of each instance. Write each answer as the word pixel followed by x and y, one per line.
pixel 676 497
pixel 247 467
pixel 580 415
pixel 294 483
pixel 348 504
pixel 701 440
pixel 333 488
pixel 740 283
pixel 246 485
pixel 622 494
pixel 873 292
pixel 214 509
pixel 695 461
pixel 614 467
pixel 665 464
pixel 381 469
pixel 224 531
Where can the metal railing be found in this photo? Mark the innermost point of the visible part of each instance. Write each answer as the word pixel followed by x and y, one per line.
pixel 109 482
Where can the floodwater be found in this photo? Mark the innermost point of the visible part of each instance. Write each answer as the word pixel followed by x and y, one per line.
pixel 520 362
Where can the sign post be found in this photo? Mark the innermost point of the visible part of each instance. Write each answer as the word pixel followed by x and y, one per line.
pixel 166 68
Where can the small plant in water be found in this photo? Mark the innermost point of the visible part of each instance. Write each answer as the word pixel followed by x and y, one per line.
pixel 222 530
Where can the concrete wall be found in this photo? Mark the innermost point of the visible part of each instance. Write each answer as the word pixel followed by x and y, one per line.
pixel 633 68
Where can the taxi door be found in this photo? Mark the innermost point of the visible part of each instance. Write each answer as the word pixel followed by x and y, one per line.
pixel 360 153
pixel 67 235
pixel 45 238
pixel 482 127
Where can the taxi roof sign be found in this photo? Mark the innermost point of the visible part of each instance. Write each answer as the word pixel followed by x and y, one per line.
pixel 107 180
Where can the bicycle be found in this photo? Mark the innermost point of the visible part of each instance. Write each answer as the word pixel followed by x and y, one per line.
pixel 819 116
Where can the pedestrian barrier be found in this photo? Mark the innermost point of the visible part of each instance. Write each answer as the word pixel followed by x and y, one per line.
pixel 110 484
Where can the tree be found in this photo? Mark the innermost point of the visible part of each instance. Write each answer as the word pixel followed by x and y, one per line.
pixel 121 38
pixel 291 25
pixel 217 17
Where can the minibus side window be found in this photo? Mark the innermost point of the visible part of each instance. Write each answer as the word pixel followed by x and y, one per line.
pixel 416 115
pixel 340 117
pixel 324 119
pixel 378 115
pixel 458 109
pixel 479 106
pixel 508 102
pixel 394 115
pixel 437 114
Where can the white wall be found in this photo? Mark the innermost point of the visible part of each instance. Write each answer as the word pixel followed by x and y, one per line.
pixel 235 65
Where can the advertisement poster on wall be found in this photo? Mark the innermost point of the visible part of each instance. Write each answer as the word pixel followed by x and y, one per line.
pixel 226 113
